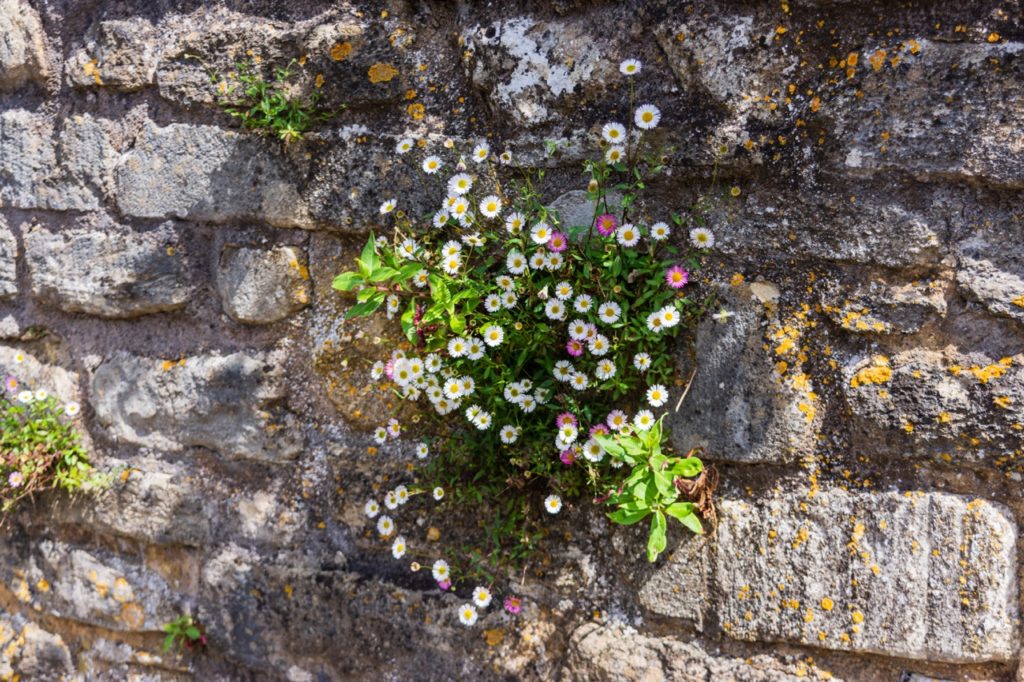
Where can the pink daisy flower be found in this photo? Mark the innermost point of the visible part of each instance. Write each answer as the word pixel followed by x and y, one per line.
pixel 565 418
pixel 558 242
pixel 445 585
pixel 567 457
pixel 599 430
pixel 513 604
pixel 676 277
pixel 574 348
pixel 606 224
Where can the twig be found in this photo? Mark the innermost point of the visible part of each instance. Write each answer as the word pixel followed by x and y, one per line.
pixel 687 390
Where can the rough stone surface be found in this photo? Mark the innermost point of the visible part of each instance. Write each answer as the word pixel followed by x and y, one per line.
pixel 8 262
pixel 926 576
pixel 230 404
pixel 991 270
pixel 30 652
pixel 116 54
pixel 22 48
pixel 112 271
pixel 679 588
pixel 260 286
pixel 880 307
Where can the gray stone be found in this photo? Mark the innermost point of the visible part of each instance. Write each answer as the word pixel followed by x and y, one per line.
pixel 861 303
pixel 35 371
pixel 260 286
pixel 576 213
pixel 615 651
pixel 8 262
pixel 231 404
pixel 30 652
pixel 925 576
pixel 740 407
pixel 22 50
pixel 208 174
pixel 678 588
pixel 116 54
pixel 996 285
pixel 111 271
pixel 69 170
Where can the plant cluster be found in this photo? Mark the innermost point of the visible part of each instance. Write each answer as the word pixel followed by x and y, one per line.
pixel 541 348
pixel 39 446
pixel 184 631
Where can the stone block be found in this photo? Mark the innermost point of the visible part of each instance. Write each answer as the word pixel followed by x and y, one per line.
pixel 22 46
pixel 8 262
pixel 261 286
pixel 119 54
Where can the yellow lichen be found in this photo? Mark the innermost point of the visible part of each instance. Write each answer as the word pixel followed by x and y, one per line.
pixel 878 373
pixel 1002 401
pixel 877 60
pixel 416 111
pixel 827 604
pixel 382 72
pixel 341 51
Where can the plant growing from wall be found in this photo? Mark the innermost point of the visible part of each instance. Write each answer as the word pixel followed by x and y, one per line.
pixel 39 446
pixel 528 339
pixel 184 631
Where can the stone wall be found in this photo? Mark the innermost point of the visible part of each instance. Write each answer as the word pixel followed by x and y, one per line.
pixel 865 403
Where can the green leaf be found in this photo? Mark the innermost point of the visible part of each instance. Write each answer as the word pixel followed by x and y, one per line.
pixel 368 258
pixel 689 520
pixel 367 307
pixel 656 540
pixel 688 467
pixel 679 510
pixel 627 518
pixel 192 632
pixel 407 323
pixel 347 281
pixel 610 445
pixel 383 274
pixel 457 323
pixel 168 642
pixel 664 485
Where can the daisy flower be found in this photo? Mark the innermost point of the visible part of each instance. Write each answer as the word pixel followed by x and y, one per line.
pixel 15 479
pixel 452 265
pixel 540 233
pixel 473 239
pixel 647 117
pixel 505 157
pixel 593 451
pixel 609 312
pixel 722 316
pixel 513 604
pixel 438 493
pixel 385 525
pixel 669 317
pixel 616 420
pixel 643 420
pixel 421 279
pixel 492 303
pixel 599 430
pixel 10 384
pixel 514 223
pixel 457 347
pixel 628 235
pixel 606 224
pixel 642 361
pixel 515 262
pixel 566 418
pixel 505 282
pixel 579 381
pixel 613 132
pixel 394 428
pixel 676 277
pixel 567 457
pixel 509 300
pixel 555 260
pixel 451 248
pixel 387 207
pixel 440 570
pixel 422 450
pixel 494 335
pixel 481 152
pixel 391 500
pixel 475 349
pixel 630 67
pixel 558 242
pixel 599 345
pixel 377 371
pixel 660 231
pixel 19 358
pixel 654 321
pixel 564 370
pixel 453 389
pixel 579 330
pixel 583 303
pixel 657 395
pixel 72 409
pixel 441 218
pixel 509 434
pixel 605 369
pixel 554 309
pixel 527 404
pixel 431 165
pixel 398 547
pixel 539 260
pixel 482 597
pixel 563 290
pixel 404 145
pixel 402 494
pixel 553 504
pixel 460 183
pixel 490 206
pixel 460 210
pixel 702 238
pixel 371 509
pixel 614 154
pixel 468 615
pixel 574 347
pixel 380 435
pixel 407 249
pixel 568 432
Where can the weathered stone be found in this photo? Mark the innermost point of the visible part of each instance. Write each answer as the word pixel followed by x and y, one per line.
pixel 876 306
pixel 110 271
pixel 260 286
pixel 616 652
pixel 29 652
pixel 575 210
pixel 22 50
pixel 740 407
pixel 926 576
pixel 208 174
pixel 679 587
pixel 69 171
pixel 8 262
pixel 991 271
pixel 33 373
pixel 116 54
pixel 231 404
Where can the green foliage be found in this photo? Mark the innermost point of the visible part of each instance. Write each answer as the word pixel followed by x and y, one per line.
pixel 269 107
pixel 39 447
pixel 650 488
pixel 183 631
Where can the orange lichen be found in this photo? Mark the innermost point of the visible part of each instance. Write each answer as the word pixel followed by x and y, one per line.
pixel 381 72
pixel 341 51
pixel 877 60
pixel 417 111
pixel 878 373
pixel 827 604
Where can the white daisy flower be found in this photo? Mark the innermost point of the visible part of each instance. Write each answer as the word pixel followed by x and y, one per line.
pixel 539 260
pixel 660 231
pixel 398 547
pixel 554 309
pixel 514 392
pixel 563 290
pixel 392 305
pixel 453 389
pixel 483 421
pixel 490 206
pixel 387 207
pixel 527 404
pixel 505 157
pixel 19 358
pixel 515 262
pixel 385 525
pixel 643 420
pixel 505 282
pixel 654 321
pixel 669 317
pixel 475 349
pixel 702 238
pixel 628 235
pixel 460 184
pixel 407 249
pixel 440 570
pixel 402 494
pixel 647 117
pixel 473 239
pixel 509 300
pixel 555 261
pixel 377 371
pixel 593 451
pixel 380 435
pixel 579 381
pixel 431 165
pixel 616 420
pixel 609 312
pixel 371 509
pixel 72 409
pixel 642 361
pixel 514 223
pixel 451 248
pixel 482 597
pixel 421 279
pixel 492 303
pixel 599 345
pixel 583 303
pixel 630 67
pixel 605 369
pixel 391 500
pixel 568 433
pixel 468 615
pixel 460 211
pixel 441 218
pixel 613 132
pixel 468 385
pixel 438 493
pixel 579 330
pixel 509 434
pixel 494 335
pixel 422 450
pixel 657 395
pixel 564 370
pixel 481 152
pixel 457 347
pixel 404 145
pixel 540 233
pixel 722 316
pixel 553 504
pixel 452 265
pixel 394 428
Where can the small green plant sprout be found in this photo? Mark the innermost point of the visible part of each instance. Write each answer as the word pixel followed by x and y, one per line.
pixel 652 487
pixel 269 107
pixel 184 631
pixel 39 446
